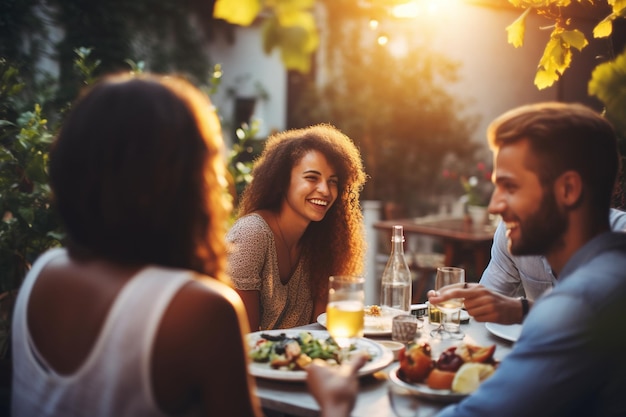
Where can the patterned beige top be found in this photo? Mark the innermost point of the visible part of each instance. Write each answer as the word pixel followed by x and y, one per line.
pixel 253 265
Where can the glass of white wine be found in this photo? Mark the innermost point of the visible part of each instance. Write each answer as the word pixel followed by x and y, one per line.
pixel 344 312
pixel 450 309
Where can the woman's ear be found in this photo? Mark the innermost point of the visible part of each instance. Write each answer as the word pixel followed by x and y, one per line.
pixel 568 188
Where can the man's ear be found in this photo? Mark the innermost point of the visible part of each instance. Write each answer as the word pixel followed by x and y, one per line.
pixel 568 188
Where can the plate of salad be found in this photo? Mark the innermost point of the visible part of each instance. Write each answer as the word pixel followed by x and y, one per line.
pixel 285 354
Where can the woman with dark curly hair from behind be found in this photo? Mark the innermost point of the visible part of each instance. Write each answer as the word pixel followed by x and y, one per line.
pixel 299 222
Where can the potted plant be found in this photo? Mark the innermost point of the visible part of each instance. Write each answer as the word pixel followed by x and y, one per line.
pixel 478 189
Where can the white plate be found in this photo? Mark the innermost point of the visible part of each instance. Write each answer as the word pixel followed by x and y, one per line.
pixel 508 332
pixel 423 391
pixel 381 356
pixel 373 326
pixel 395 347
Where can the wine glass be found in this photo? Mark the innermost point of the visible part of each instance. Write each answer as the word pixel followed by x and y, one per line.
pixel 344 312
pixel 449 326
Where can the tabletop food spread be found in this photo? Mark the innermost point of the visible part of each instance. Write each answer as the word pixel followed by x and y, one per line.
pixel 457 372
pixel 285 354
pixel 386 387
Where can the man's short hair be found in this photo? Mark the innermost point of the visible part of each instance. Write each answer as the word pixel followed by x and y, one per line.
pixel 562 137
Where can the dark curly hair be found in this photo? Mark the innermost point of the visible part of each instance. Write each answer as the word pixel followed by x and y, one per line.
pixel 336 244
pixel 137 172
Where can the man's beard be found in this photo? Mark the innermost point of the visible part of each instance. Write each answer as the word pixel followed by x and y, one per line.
pixel 541 231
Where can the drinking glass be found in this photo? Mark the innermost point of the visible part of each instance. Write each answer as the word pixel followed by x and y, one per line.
pixel 450 309
pixel 344 312
pixel 404 328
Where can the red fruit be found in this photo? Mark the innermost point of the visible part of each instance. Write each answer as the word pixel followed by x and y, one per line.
pixel 449 361
pixel 416 361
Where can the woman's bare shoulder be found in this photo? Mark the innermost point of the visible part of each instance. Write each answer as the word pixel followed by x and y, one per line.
pixel 210 295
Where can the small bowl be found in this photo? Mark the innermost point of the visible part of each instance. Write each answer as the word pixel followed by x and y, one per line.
pixel 394 347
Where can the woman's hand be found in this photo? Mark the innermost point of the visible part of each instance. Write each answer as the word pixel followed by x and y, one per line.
pixel 335 388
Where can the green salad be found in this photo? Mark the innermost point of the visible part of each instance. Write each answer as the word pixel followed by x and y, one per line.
pixel 294 352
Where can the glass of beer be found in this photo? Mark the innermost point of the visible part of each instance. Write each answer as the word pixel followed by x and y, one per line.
pixel 344 312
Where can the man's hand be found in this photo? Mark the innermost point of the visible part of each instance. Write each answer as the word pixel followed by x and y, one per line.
pixel 335 388
pixel 481 303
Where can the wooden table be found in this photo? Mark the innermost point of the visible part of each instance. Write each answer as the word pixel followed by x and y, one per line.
pixel 293 398
pixel 457 235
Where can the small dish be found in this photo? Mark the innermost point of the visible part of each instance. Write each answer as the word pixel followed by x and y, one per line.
pixel 394 347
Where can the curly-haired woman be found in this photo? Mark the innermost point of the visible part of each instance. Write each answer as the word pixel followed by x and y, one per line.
pixel 299 222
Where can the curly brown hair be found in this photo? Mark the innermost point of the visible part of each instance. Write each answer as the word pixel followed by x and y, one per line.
pixel 137 173
pixel 336 244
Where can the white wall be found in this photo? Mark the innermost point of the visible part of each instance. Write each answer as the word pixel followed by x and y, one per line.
pixel 246 67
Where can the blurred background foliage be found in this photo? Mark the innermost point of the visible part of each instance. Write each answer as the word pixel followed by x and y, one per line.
pixel 168 34
pixel 398 109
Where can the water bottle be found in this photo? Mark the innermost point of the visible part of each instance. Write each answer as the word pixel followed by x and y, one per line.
pixel 396 282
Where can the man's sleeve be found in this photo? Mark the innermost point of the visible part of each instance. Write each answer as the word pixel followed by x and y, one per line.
pixel 501 274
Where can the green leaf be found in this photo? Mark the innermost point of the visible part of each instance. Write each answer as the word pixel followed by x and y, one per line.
pixel 35 170
pixel 550 63
pixel 238 12
pixel 557 56
pixel 516 30
pixel 270 31
pixel 618 5
pixel 604 28
pixel 27 213
pixel 289 12
pixel 607 84
pixel 296 59
pixel 544 79
pixel 574 38
pixel 296 43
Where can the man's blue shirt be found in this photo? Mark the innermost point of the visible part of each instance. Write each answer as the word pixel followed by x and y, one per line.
pixel 571 356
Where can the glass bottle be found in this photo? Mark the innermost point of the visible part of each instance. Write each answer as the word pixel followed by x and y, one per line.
pixel 396 282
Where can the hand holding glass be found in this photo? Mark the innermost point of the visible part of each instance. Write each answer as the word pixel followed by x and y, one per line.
pixel 344 312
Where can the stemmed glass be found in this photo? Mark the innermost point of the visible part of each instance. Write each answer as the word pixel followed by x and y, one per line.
pixel 450 309
pixel 344 312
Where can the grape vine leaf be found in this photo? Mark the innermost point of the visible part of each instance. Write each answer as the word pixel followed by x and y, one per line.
pixel 557 56
pixel 607 84
pixel 296 43
pixel 516 30
pixel 238 12
pixel 288 25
